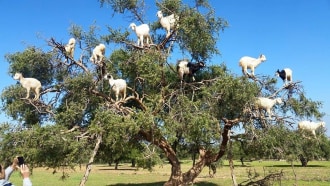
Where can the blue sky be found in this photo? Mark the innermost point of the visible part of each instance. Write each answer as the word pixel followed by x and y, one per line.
pixel 294 34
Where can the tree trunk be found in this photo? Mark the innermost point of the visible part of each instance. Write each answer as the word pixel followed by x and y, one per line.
pixel 175 178
pixel 303 160
pixel 231 163
pixel 178 178
pixel 133 163
pixel 194 157
pixel 242 160
pixel 207 157
pixel 91 160
pixel 116 164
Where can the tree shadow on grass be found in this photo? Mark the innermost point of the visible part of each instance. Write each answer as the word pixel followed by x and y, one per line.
pixel 139 184
pixel 202 183
pixel 120 168
pixel 112 169
pixel 294 166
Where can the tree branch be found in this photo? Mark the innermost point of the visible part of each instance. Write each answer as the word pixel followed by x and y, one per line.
pixel 39 106
pixel 225 136
pixel 60 47
pixel 290 86
pixel 91 160
pixel 265 181
pixel 70 130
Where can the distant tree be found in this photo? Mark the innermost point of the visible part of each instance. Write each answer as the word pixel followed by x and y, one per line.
pixel 279 141
pixel 77 119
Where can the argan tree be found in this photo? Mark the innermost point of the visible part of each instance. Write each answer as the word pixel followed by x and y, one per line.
pixel 77 120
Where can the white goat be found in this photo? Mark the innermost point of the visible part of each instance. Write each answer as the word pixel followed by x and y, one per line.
pixel 98 54
pixel 185 67
pixel 168 22
pixel 267 104
pixel 142 31
pixel 117 85
pixel 285 75
pixel 247 62
pixel 69 48
pixel 28 84
pixel 310 126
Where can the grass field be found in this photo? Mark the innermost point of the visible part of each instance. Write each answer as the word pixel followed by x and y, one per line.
pixel 316 174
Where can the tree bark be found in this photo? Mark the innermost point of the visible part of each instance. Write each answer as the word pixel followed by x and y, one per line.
pixel 116 164
pixel 207 157
pixel 194 157
pixel 231 163
pixel 303 160
pixel 178 178
pixel 91 160
pixel 175 178
pixel 133 163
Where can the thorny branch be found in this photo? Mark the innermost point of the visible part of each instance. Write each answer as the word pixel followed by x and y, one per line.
pixel 290 87
pixel 60 47
pixel 158 47
pixel 40 106
pixel 265 181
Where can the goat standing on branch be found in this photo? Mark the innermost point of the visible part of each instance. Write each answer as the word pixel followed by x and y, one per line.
pixel 117 85
pixel 168 22
pixel 98 54
pixel 310 126
pixel 285 75
pixel 267 104
pixel 69 48
pixel 142 31
pixel 247 62
pixel 188 68
pixel 28 84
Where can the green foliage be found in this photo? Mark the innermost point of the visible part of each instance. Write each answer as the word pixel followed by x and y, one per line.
pixel 116 36
pixel 32 62
pixel 17 108
pixel 197 33
pixel 305 107
pixel 43 146
pixel 120 6
pixel 119 61
pixel 232 95
pixel 169 6
pixel 325 147
pixel 144 66
pixel 279 142
pixel 76 104
pixel 86 40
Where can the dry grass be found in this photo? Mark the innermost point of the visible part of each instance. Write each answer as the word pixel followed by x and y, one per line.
pixel 317 173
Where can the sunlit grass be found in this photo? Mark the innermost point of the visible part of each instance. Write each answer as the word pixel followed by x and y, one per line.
pixel 317 173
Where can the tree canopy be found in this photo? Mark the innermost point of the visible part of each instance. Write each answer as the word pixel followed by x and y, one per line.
pixel 78 121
